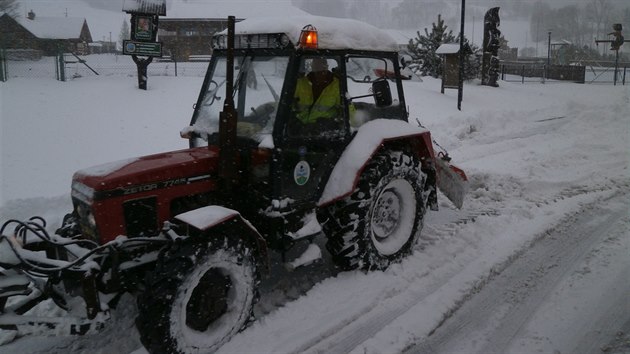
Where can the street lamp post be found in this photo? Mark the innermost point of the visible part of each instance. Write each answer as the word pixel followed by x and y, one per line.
pixel 462 57
pixel 549 48
pixel 548 53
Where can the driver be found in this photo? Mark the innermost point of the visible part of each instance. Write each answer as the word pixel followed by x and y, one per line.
pixel 317 95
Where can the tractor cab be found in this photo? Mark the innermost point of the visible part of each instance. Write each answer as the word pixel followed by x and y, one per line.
pixel 302 88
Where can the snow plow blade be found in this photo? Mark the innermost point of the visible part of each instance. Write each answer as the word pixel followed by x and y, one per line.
pixel 452 181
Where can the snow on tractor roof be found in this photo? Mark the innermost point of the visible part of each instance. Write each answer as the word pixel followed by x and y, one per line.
pixel 333 33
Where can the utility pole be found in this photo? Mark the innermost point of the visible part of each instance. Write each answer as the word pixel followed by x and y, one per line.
pixel 537 32
pixel 472 38
pixel 462 56
pixel 549 48
pixel 548 54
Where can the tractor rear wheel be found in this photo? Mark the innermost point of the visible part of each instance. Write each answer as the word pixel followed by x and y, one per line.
pixel 379 222
pixel 199 296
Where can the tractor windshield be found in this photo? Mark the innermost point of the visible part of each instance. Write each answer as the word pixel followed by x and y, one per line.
pixel 257 86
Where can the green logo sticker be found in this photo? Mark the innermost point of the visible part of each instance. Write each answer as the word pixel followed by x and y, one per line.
pixel 301 173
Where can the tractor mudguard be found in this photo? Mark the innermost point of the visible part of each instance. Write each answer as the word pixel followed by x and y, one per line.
pixel 368 140
pixel 227 222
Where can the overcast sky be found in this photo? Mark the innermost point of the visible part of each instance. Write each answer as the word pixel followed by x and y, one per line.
pixel 116 5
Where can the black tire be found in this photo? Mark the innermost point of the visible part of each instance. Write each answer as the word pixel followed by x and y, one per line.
pixel 379 222
pixel 199 296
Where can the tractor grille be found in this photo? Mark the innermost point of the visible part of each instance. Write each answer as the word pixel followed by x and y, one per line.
pixel 141 217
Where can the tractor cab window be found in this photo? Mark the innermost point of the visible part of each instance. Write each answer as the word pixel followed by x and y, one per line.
pixel 362 73
pixel 318 107
pixel 257 84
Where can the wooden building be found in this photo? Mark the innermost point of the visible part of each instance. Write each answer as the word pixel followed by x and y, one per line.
pixel 185 39
pixel 187 29
pixel 46 34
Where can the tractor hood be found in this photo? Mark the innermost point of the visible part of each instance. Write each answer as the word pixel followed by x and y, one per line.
pixel 146 173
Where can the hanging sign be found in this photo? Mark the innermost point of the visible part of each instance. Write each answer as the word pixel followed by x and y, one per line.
pixel 143 30
pixel 149 49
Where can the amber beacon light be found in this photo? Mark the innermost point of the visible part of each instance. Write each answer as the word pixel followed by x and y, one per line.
pixel 308 37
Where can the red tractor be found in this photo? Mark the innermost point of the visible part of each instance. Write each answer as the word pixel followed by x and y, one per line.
pixel 189 231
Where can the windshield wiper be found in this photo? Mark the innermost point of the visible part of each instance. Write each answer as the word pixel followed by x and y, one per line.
pixel 244 67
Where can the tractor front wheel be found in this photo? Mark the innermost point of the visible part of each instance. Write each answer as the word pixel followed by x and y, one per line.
pixel 199 296
pixel 378 223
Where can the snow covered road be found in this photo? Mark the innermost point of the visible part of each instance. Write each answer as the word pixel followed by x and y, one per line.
pixel 576 274
pixel 536 260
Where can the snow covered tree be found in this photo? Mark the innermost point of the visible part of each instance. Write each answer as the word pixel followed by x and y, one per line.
pixel 599 12
pixel 10 7
pixel 423 47
pixel 124 33
pixel 472 63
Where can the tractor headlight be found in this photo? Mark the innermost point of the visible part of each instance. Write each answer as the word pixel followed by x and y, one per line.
pixel 91 220
pixel 82 192
pixel 87 222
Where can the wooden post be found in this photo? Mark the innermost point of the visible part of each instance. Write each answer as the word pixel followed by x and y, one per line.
pixel 61 67
pixel 616 66
pixel 142 65
pixel 227 119
pixel 3 66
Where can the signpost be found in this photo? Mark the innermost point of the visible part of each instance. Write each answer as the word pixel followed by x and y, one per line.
pixel 142 48
pixel 143 45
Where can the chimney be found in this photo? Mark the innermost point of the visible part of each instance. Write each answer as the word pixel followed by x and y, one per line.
pixel 31 15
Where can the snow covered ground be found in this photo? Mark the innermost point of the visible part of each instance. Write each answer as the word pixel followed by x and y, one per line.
pixel 546 163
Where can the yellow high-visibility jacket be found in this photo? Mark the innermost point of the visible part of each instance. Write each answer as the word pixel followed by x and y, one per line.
pixel 328 104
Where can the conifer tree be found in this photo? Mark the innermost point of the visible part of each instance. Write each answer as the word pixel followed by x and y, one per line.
pixel 472 61
pixel 124 33
pixel 423 47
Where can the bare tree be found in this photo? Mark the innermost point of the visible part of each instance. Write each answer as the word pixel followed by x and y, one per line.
pixel 9 7
pixel 598 13
pixel 124 33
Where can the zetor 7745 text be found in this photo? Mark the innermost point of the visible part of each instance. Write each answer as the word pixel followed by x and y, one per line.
pixel 300 131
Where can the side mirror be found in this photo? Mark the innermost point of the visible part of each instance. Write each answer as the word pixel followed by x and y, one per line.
pixel 382 93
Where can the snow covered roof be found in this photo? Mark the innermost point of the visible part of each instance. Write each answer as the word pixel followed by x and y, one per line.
pixel 180 9
pixel 448 48
pixel 333 33
pixel 54 27
pixel 561 42
pixel 152 7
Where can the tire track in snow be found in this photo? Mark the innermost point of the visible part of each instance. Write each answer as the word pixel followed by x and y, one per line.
pixel 356 330
pixel 507 300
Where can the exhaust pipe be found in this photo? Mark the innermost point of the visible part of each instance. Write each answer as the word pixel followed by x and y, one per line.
pixel 227 119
